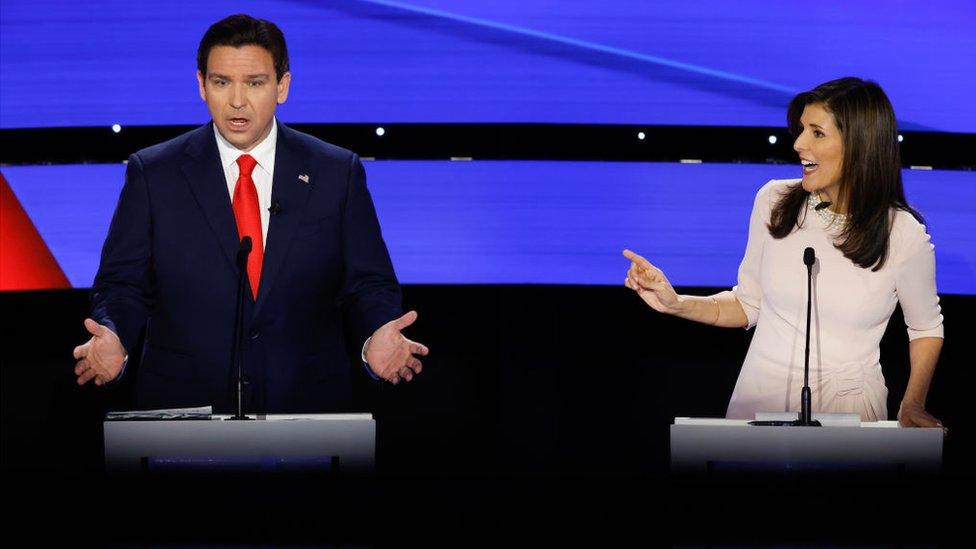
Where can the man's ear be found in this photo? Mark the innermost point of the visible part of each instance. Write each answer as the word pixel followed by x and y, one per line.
pixel 283 86
pixel 203 86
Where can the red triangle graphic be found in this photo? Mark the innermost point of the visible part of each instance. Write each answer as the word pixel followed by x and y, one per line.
pixel 26 262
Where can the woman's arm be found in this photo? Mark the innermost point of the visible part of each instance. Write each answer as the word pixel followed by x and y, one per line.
pixel 722 309
pixel 924 354
pixel 916 289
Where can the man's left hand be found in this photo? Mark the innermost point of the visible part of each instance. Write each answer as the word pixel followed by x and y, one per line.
pixel 391 355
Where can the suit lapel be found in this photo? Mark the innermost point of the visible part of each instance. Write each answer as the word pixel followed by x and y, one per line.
pixel 291 194
pixel 209 187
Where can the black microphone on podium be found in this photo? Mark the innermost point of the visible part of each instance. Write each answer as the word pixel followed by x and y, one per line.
pixel 238 355
pixel 806 416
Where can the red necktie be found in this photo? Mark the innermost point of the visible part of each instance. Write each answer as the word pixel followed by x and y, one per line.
pixel 248 216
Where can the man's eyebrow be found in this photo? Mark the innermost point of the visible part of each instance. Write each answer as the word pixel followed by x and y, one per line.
pixel 215 75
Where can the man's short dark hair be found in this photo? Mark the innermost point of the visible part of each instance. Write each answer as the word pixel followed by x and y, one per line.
pixel 244 30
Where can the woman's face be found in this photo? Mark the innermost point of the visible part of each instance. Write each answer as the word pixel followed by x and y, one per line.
pixel 821 151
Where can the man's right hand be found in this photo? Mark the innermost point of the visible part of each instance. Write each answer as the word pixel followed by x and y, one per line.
pixel 101 358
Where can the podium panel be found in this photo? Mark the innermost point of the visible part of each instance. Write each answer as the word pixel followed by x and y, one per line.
pixel 336 442
pixel 708 445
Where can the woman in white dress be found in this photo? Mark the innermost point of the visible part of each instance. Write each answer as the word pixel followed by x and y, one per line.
pixel 872 253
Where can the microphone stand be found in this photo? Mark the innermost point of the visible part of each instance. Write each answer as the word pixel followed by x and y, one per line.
pixel 238 355
pixel 805 416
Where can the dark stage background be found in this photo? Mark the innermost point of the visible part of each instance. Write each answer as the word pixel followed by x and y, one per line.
pixel 544 407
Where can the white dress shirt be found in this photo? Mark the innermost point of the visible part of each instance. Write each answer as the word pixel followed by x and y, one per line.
pixel 263 174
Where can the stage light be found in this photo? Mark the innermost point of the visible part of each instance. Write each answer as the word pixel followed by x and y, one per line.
pixel 641 136
pixel 772 139
pixel 380 131
pixel 901 138
pixel 116 128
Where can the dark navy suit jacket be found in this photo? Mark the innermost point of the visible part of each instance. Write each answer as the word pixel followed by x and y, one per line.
pixel 167 280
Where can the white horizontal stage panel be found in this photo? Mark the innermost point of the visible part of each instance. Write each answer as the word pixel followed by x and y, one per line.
pixel 718 445
pixel 336 442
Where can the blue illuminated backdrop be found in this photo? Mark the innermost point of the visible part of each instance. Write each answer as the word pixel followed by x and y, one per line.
pixel 495 222
pixel 709 62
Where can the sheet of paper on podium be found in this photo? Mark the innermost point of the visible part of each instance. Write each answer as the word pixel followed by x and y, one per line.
pixel 200 412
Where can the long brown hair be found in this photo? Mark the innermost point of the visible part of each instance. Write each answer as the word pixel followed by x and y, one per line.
pixel 870 183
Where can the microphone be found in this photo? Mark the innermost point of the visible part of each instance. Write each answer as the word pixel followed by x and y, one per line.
pixel 819 207
pixel 805 420
pixel 244 250
pixel 238 354
pixel 275 207
pixel 805 416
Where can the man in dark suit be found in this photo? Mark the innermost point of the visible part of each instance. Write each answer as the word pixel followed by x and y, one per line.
pixel 319 275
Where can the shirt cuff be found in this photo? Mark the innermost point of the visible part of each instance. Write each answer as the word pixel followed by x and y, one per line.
pixel 125 362
pixel 362 356
pixel 932 332
pixel 751 310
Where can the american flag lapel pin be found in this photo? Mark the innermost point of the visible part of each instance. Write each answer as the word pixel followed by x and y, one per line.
pixel 303 178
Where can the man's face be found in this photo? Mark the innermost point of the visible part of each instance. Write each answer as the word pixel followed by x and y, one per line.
pixel 242 93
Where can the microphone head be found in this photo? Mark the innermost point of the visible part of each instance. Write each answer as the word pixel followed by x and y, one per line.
pixel 246 244
pixel 809 257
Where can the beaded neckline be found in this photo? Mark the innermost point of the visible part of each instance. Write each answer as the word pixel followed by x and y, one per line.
pixel 832 219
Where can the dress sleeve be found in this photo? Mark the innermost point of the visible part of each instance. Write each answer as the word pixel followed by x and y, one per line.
pixel 748 290
pixel 915 285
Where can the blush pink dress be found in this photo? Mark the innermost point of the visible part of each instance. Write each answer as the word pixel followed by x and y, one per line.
pixel 851 308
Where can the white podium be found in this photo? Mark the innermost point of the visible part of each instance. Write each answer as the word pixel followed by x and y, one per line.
pixel 706 445
pixel 336 442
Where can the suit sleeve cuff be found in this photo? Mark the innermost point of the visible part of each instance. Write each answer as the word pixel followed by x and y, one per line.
pixel 125 361
pixel 362 357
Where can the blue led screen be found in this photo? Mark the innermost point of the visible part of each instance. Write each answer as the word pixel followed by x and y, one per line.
pixel 495 222
pixel 708 62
